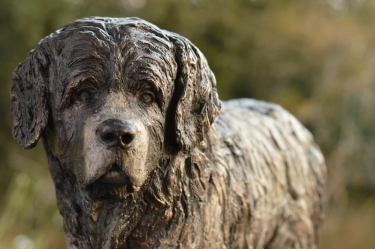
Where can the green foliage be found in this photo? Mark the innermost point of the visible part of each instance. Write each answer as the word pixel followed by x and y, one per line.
pixel 315 58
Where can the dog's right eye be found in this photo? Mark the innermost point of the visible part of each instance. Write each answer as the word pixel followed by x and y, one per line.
pixel 84 95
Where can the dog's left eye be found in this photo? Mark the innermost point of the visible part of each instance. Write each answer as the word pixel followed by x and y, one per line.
pixel 147 97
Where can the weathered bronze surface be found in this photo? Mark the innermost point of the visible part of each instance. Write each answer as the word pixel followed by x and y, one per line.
pixel 144 155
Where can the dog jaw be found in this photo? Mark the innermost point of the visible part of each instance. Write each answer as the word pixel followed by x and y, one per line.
pixel 114 164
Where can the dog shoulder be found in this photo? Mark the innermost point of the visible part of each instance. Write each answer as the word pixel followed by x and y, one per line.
pixel 271 120
pixel 272 145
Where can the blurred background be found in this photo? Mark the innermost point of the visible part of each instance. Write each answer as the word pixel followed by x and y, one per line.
pixel 316 58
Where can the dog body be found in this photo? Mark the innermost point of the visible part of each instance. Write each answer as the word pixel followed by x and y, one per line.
pixel 126 112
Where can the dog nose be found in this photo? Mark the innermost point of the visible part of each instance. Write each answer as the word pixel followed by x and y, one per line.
pixel 114 132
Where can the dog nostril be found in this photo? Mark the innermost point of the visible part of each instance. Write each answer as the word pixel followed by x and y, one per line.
pixel 108 136
pixel 126 138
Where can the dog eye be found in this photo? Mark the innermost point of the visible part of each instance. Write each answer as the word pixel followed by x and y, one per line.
pixel 84 95
pixel 147 97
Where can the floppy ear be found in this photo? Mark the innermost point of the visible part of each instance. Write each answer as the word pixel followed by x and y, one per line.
pixel 198 103
pixel 29 98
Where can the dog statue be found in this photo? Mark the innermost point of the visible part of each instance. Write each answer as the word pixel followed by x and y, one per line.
pixel 144 155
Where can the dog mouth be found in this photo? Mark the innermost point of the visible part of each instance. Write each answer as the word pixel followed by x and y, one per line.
pixel 115 176
pixel 114 183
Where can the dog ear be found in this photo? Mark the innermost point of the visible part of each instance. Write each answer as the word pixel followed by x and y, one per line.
pixel 198 103
pixel 29 98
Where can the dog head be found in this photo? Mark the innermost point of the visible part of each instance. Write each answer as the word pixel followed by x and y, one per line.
pixel 111 97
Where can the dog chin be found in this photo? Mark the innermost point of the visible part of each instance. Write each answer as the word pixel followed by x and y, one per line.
pixel 112 185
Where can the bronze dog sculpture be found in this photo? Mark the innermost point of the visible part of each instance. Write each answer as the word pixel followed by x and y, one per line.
pixel 144 155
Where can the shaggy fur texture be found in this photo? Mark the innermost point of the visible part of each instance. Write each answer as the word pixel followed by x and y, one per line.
pixel 144 155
